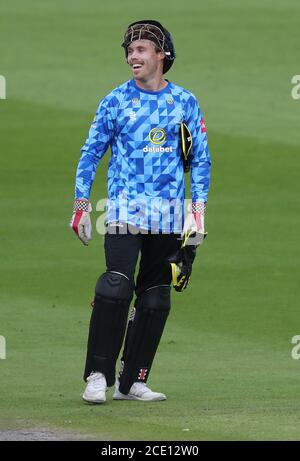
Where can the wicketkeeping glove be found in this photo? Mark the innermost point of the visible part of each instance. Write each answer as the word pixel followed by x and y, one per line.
pixel 182 261
pixel 192 236
pixel 81 221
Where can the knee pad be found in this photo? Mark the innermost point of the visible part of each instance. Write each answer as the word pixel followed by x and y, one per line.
pixel 155 298
pixel 143 335
pixel 114 285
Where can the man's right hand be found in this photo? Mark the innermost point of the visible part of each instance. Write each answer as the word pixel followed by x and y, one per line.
pixel 81 221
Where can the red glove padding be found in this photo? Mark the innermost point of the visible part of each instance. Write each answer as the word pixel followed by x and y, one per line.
pixel 81 221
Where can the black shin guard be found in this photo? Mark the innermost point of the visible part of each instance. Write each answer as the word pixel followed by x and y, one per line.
pixel 143 335
pixel 108 324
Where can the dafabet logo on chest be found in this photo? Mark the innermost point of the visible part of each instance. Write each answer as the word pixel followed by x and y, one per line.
pixel 157 136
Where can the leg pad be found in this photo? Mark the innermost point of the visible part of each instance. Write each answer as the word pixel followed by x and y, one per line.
pixel 113 295
pixel 144 332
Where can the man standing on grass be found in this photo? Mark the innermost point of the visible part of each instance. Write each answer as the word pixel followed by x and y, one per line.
pixel 156 133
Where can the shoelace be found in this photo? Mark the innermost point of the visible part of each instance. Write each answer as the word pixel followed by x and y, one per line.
pixel 141 387
pixel 98 381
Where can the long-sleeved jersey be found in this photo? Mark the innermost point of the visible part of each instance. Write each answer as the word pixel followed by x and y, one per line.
pixel 146 184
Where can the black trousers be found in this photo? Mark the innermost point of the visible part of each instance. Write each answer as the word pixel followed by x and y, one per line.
pixel 108 321
pixel 122 251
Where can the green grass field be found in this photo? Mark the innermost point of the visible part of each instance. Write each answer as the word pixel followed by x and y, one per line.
pixel 225 358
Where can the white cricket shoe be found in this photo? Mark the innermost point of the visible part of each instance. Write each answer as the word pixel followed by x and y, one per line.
pixel 138 391
pixel 96 388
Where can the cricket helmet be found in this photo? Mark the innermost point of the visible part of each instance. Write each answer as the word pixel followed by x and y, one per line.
pixel 151 30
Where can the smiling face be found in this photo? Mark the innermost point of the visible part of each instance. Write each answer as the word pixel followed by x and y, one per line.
pixel 145 60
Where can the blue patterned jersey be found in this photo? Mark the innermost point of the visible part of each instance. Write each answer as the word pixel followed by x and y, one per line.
pixel 146 184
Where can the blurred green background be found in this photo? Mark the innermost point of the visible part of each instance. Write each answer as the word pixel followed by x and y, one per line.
pixel 225 357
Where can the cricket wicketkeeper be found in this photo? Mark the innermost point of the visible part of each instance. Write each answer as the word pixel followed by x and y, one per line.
pixel 156 134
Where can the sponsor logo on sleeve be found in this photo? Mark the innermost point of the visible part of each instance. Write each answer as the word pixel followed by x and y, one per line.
pixel 202 125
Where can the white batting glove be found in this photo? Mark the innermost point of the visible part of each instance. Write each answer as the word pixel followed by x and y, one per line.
pixel 81 221
pixel 193 230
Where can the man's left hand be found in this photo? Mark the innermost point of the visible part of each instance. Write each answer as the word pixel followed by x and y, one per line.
pixel 193 236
